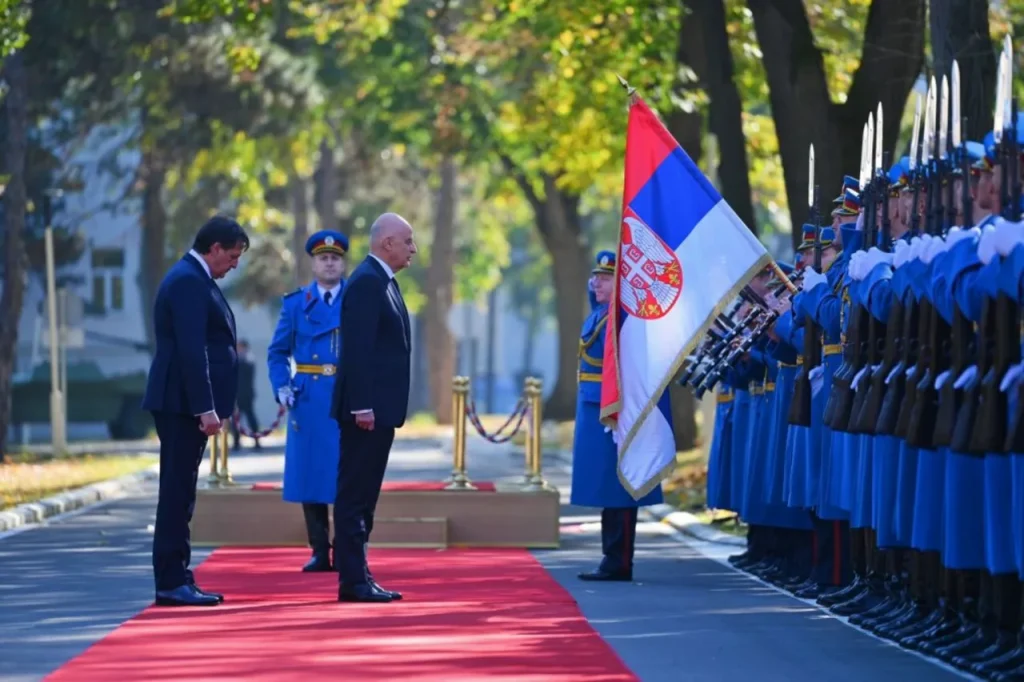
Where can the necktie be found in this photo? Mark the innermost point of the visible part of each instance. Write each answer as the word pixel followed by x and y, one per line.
pixel 327 298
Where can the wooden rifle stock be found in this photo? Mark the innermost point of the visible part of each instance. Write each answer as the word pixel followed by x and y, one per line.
pixel 906 406
pixel 895 390
pixel 921 423
pixel 990 426
pixel 869 416
pixel 1015 430
pixel 968 412
pixel 950 398
pixel 800 404
pixel 878 342
pixel 842 389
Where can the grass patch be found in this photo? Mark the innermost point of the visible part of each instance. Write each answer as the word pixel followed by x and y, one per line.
pixel 27 478
pixel 686 489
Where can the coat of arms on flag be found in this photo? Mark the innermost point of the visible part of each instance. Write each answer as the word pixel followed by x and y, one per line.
pixel 650 278
pixel 673 222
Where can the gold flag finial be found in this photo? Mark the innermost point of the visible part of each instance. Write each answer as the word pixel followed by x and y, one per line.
pixel 629 89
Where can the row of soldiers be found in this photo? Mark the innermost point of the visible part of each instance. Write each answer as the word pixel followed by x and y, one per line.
pixel 869 423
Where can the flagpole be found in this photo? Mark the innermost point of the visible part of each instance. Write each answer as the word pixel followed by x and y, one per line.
pixel 782 276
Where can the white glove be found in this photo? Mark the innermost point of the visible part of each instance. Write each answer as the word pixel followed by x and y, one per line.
pixel 901 253
pixel 1008 236
pixel 878 256
pixel 1011 378
pixel 817 378
pixel 857 268
pixel 940 380
pixel 917 245
pixel 860 375
pixel 966 377
pixel 987 245
pixel 812 279
pixel 285 396
pixel 934 248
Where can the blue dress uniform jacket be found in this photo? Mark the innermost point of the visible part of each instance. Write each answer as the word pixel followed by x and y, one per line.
pixel 595 478
pixel 309 332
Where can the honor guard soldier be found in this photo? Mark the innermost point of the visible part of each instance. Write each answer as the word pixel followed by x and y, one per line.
pixel 309 333
pixel 595 479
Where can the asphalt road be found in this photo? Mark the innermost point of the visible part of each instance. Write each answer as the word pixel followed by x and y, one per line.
pixel 688 615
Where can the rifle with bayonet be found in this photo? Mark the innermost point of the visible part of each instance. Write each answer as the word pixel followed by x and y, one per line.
pixel 936 333
pixel 855 343
pixel 961 336
pixel 800 404
pixel 874 417
pixel 999 336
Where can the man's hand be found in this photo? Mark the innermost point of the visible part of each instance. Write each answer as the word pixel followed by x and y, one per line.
pixel 364 420
pixel 209 423
pixel 285 396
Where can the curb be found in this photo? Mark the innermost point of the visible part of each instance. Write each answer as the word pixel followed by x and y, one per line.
pixel 688 524
pixel 37 512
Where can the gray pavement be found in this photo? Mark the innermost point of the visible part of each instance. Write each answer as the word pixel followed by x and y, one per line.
pixel 688 616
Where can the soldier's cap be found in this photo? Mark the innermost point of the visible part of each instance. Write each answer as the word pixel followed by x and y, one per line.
pixel 604 263
pixel 850 205
pixel 849 183
pixel 327 241
pixel 899 176
pixel 828 235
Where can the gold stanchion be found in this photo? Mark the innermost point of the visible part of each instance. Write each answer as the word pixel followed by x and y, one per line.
pixel 459 480
pixel 225 473
pixel 534 479
pixel 214 478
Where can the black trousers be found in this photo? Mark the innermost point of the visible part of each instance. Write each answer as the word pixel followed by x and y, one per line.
pixel 618 538
pixel 181 450
pixel 249 412
pixel 361 467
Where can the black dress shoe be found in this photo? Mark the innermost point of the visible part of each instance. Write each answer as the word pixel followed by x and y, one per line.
pixel 362 593
pixel 318 563
pixel 395 596
pixel 216 595
pixel 184 595
pixel 601 575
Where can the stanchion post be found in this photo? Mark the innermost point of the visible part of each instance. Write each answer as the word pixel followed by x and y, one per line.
pixel 528 444
pixel 225 473
pixel 459 480
pixel 214 478
pixel 534 478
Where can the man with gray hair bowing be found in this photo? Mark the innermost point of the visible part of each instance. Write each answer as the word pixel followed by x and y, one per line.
pixel 371 398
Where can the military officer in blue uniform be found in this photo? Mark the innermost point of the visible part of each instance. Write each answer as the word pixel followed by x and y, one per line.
pixel 595 480
pixel 309 333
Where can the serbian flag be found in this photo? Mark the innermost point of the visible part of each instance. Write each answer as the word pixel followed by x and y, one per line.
pixel 683 255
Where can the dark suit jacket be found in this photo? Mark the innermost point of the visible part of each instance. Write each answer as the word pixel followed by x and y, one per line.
pixel 374 367
pixel 195 368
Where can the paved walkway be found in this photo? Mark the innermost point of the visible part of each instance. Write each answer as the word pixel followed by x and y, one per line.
pixel 687 617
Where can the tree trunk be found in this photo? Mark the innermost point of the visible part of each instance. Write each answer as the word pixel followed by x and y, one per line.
pixel 726 110
pixel 440 276
pixel 802 107
pixel 299 190
pixel 687 125
pixel 13 297
pixel 327 196
pixel 153 173
pixel 559 225
pixel 960 31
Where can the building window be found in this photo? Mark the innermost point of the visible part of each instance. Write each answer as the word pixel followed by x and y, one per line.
pixel 99 293
pixel 107 280
pixel 116 292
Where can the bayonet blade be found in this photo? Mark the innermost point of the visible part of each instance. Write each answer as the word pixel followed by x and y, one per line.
pixel 878 142
pixel 915 142
pixel 929 124
pixel 956 122
pixel 998 116
pixel 943 117
pixel 810 178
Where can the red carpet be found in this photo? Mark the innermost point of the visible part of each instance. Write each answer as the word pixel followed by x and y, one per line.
pixel 399 486
pixel 467 615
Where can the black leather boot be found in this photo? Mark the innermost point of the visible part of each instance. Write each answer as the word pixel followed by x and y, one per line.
pixel 318 534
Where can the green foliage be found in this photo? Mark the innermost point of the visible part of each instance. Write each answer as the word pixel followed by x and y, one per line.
pixel 14 15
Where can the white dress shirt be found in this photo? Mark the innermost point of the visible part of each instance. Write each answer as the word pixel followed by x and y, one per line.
pixel 333 291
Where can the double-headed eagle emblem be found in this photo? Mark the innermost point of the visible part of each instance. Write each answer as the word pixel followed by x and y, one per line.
pixel 650 276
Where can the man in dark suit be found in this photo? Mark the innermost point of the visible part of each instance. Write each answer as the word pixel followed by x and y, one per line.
pixel 246 395
pixel 371 398
pixel 191 391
